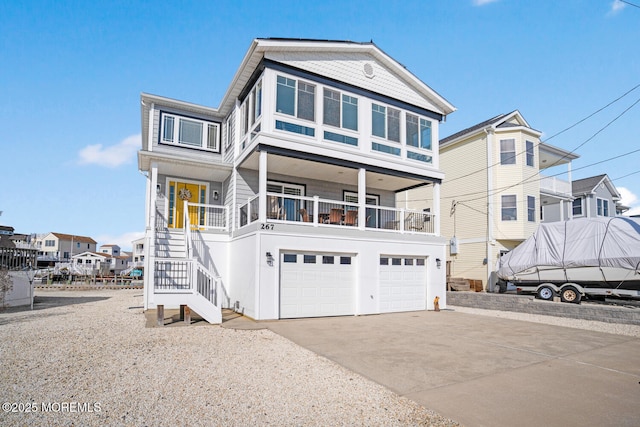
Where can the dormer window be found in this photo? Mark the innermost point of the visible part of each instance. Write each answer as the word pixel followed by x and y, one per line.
pixel 190 132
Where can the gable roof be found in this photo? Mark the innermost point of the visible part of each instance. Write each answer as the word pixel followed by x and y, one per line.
pixel 69 237
pixel 298 52
pixel 92 255
pixel 500 121
pixel 584 186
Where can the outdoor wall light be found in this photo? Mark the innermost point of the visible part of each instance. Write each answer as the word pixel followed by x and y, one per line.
pixel 269 259
pixel 438 262
pixel 215 195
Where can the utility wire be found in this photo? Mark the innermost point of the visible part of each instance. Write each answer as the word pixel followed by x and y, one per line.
pixel 533 178
pixel 629 3
pixel 554 135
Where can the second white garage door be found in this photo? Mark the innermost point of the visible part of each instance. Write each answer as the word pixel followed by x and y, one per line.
pixel 316 285
pixel 403 284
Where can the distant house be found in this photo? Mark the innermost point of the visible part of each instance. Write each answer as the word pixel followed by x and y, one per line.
pixel 596 196
pixel 92 263
pixel 119 259
pixel 137 254
pixel 60 247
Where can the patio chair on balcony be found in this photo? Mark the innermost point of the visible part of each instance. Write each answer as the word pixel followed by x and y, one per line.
pixel 351 218
pixel 335 216
pixel 414 222
pixel 304 215
pixel 274 210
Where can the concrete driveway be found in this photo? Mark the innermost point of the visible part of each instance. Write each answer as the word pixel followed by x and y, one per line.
pixel 485 371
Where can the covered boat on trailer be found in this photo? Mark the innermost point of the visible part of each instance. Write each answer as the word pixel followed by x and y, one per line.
pixel 596 257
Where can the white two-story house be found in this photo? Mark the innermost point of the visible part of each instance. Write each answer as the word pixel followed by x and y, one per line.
pixel 281 202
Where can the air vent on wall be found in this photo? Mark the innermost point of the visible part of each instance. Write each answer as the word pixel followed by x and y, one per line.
pixel 368 70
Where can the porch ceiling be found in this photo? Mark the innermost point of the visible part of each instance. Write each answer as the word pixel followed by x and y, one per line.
pixel 308 169
pixel 193 169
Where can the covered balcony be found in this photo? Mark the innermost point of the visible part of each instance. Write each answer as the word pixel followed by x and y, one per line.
pixel 313 192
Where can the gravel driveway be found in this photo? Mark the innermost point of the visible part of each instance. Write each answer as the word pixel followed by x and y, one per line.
pixel 86 358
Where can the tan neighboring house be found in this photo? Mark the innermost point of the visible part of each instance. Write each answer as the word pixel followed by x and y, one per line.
pixel 493 192
pixel 59 247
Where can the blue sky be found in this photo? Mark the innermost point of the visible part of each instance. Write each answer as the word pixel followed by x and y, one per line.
pixel 72 73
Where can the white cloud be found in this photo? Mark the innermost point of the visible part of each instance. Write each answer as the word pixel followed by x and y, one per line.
pixel 483 2
pixel 628 198
pixel 123 240
pixel 616 7
pixel 111 156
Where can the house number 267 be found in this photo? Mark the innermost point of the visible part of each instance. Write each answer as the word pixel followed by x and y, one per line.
pixel 267 227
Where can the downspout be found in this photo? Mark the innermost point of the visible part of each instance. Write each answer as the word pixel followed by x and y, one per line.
pixel 489 132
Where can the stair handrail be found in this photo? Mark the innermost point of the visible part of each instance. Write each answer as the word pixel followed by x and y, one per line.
pixel 188 244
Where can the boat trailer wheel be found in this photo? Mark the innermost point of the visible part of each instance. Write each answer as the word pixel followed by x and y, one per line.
pixel 570 294
pixel 545 293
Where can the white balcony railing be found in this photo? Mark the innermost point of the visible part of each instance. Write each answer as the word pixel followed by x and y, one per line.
pixel 314 211
pixel 554 186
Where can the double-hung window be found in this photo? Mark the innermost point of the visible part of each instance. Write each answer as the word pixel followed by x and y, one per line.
pixel 385 122
pixel 340 110
pixel 509 208
pixel 190 132
pixel 577 206
pixel 418 132
pixel 603 207
pixel 295 98
pixel 531 209
pixel 530 156
pixel 508 151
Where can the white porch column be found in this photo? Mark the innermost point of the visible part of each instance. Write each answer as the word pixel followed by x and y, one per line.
pixel 262 187
pixel 362 198
pixel 562 210
pixel 153 192
pixel 436 208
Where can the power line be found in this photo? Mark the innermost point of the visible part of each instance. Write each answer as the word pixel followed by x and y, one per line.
pixel 557 134
pixel 533 178
pixel 629 3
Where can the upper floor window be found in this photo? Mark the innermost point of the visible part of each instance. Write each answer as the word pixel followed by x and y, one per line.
pixel 340 110
pixel 508 151
pixel 49 243
pixel 190 132
pixel 531 209
pixel 577 206
pixel 385 122
pixel 418 132
pixel 509 208
pixel 301 106
pixel 602 207
pixel 529 149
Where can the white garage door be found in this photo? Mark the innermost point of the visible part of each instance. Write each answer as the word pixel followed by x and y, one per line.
pixel 403 284
pixel 316 285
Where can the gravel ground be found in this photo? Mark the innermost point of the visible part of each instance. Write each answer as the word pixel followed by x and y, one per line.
pixel 87 359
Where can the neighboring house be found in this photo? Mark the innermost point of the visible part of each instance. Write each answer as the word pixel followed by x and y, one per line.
pixel 110 249
pixel 59 247
pixel 493 191
pixel 281 202
pixel 137 254
pixel 119 259
pixel 92 263
pixel 596 196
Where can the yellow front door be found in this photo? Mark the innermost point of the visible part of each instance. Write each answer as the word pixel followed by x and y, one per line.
pixel 178 193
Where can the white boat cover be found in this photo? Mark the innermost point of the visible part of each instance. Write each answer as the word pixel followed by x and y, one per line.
pixel 582 242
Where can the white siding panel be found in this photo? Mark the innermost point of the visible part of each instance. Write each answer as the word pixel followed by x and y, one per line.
pixel 349 68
